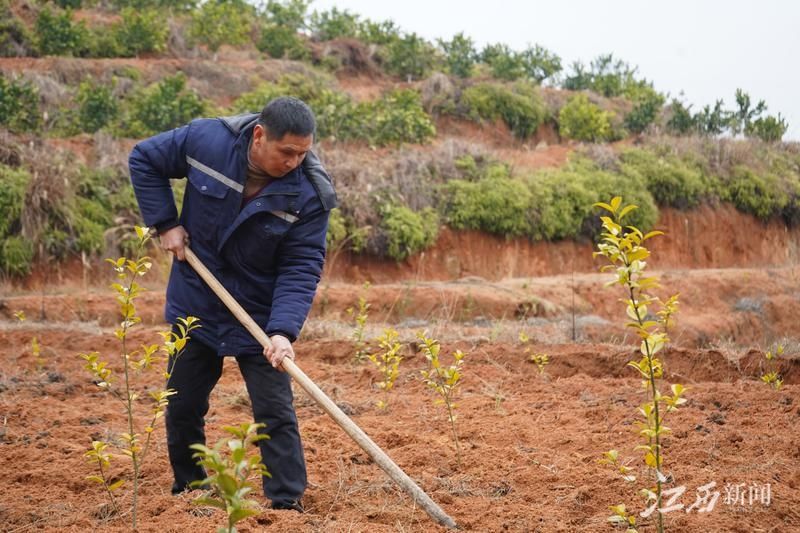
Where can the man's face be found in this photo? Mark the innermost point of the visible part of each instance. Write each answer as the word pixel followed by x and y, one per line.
pixel 278 157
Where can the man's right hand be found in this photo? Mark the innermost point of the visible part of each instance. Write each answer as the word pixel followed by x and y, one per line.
pixel 174 240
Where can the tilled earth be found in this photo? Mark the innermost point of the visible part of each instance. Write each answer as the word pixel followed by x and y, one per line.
pixel 530 442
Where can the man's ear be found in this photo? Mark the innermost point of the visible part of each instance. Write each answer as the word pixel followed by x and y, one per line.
pixel 258 131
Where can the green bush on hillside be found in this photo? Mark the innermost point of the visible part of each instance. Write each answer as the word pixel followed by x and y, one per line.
pixel 518 105
pixel 759 194
pixel 407 232
pixel 15 38
pixel 16 255
pixel 646 109
pixel 281 42
pixel 334 24
pixel 216 23
pixel 582 120
pixel 141 31
pixel 97 106
pixel 672 182
pixel 460 55
pixel 57 35
pixel 495 204
pixel 161 106
pixel 19 105
pixel 395 118
pixel 562 200
pixel 768 129
pixel 410 57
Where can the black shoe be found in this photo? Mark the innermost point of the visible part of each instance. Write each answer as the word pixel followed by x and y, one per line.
pixel 177 488
pixel 292 505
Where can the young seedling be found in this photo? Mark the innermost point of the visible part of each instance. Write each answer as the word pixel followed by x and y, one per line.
pixel 387 360
pixel 36 350
pixel 444 380
pixel 134 363
pixel 611 457
pixel 771 376
pixel 541 360
pixel 359 332
pixel 229 473
pixel 626 254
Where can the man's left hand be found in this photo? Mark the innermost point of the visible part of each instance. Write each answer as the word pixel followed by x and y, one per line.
pixel 281 347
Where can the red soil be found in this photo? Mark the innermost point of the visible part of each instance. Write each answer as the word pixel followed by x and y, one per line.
pixel 530 442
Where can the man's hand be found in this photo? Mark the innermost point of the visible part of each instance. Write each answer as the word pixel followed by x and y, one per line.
pixel 281 347
pixel 173 240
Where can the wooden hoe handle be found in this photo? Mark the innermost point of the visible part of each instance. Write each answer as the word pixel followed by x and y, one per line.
pixel 327 405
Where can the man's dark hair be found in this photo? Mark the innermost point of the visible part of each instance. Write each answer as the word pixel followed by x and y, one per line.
pixel 287 114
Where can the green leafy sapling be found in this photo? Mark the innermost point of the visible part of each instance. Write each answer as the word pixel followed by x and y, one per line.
pixel 359 332
pixel 36 349
pixel 445 380
pixel 134 363
pixel 541 360
pixel 771 377
pixel 626 254
pixel 387 360
pixel 229 473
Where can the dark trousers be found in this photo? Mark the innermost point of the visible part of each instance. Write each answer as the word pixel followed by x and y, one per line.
pixel 194 375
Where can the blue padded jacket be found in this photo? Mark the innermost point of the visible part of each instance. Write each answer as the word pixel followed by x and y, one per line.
pixel 269 254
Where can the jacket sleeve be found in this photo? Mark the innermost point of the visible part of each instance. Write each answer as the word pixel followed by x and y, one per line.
pixel 153 162
pixel 301 256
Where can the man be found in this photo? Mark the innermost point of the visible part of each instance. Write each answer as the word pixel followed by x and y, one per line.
pixel 255 212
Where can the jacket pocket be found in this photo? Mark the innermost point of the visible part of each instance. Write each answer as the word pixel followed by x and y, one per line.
pixel 204 206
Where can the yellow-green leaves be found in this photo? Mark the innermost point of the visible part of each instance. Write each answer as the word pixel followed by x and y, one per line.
pixel 623 247
pixel 136 441
pixel 541 360
pixel 387 360
pixel 229 472
pixel 359 331
pixel 622 518
pixel 771 376
pixel 443 379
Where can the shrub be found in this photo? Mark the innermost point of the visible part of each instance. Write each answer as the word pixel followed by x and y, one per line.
pixel 519 106
pixel 503 61
pixel 15 38
pixel 645 111
pixel 411 57
pixel 290 14
pixel 218 23
pixel 559 199
pixel 397 117
pixel 750 192
pixel 282 42
pixel 496 204
pixel 540 63
pixel 16 255
pixel 333 24
pixel 57 35
pixel 12 195
pixel 142 31
pixel 97 106
pixel 19 105
pixel 382 33
pixel 408 233
pixel 161 106
pixel 768 129
pixel 681 121
pixel 460 55
pixel 608 77
pixel 582 120
pixel 671 181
